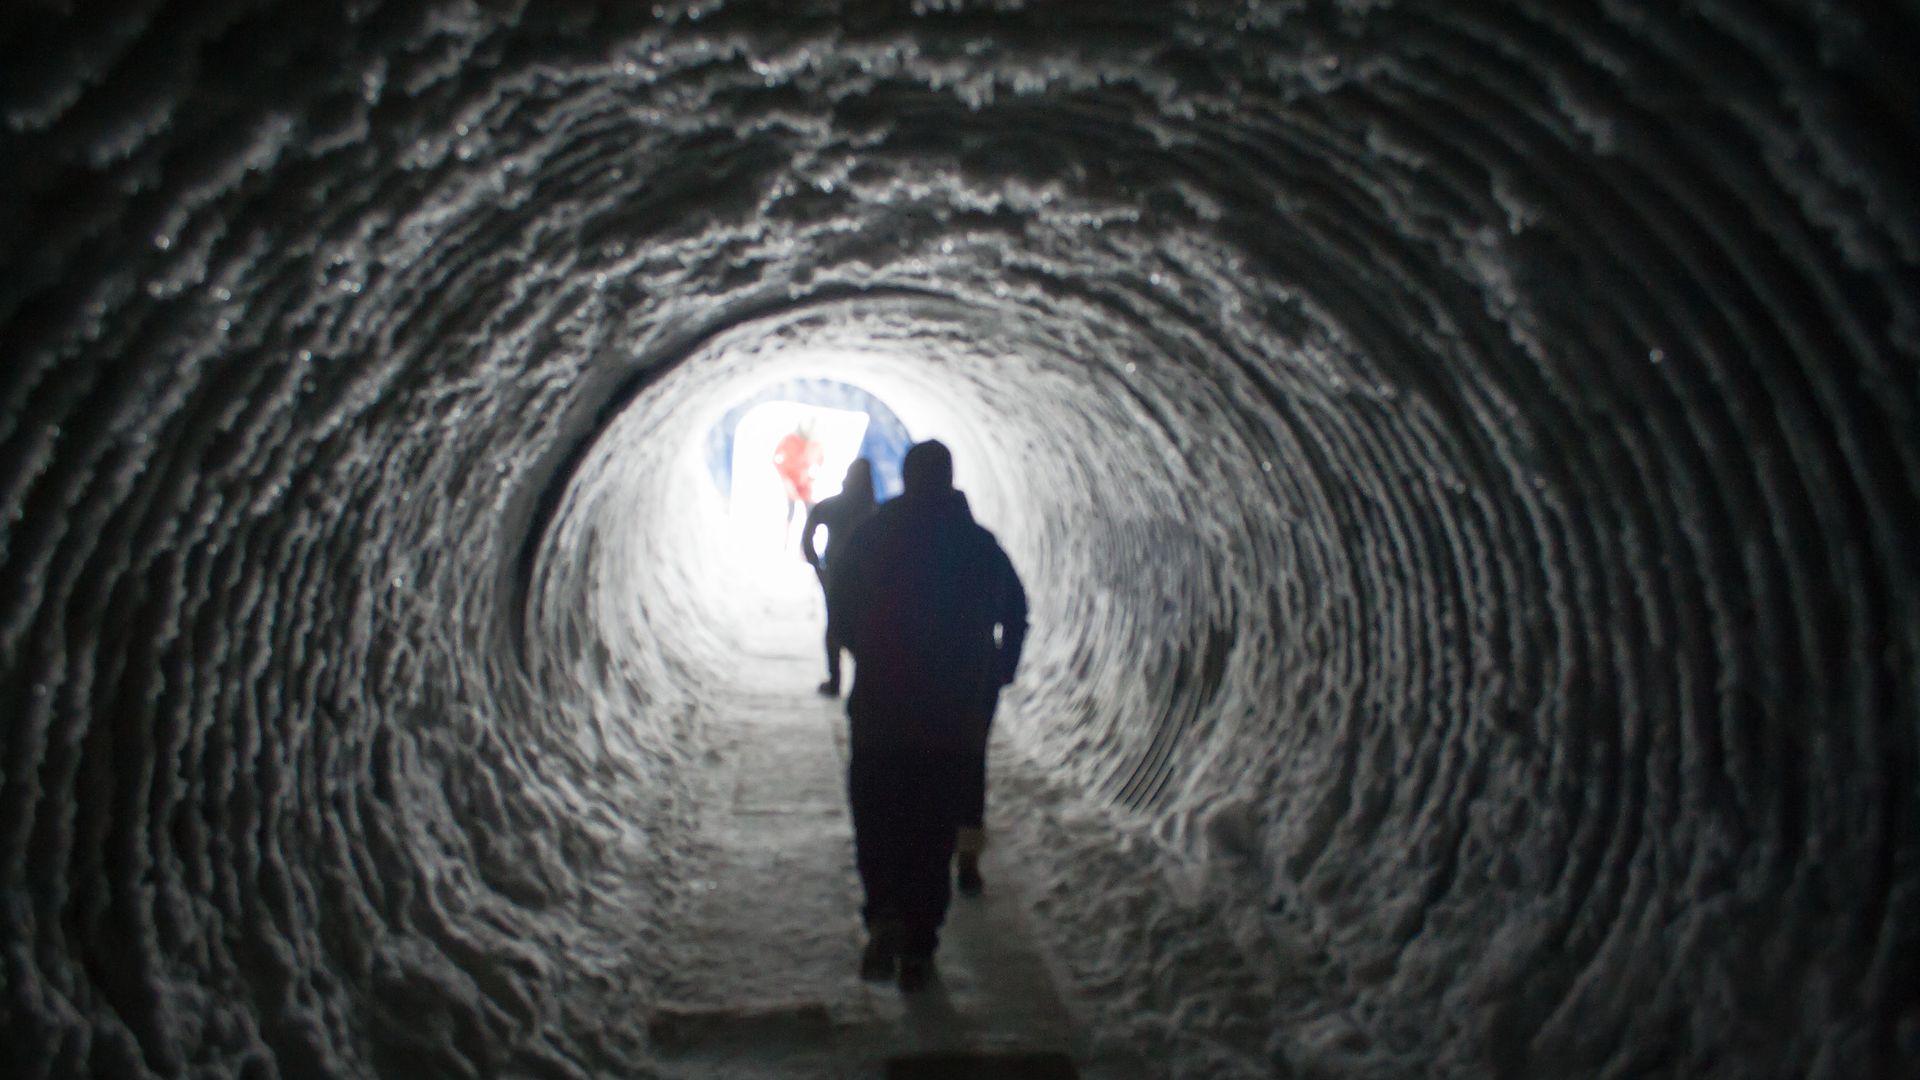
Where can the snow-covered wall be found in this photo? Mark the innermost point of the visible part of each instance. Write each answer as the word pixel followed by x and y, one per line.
pixel 1464 455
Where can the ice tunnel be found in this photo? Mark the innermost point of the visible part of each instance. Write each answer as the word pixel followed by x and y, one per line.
pixel 1463 457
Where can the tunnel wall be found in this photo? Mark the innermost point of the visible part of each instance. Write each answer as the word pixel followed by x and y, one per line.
pixel 1461 458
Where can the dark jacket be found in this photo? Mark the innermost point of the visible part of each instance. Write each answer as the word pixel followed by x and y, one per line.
pixel 917 594
pixel 841 514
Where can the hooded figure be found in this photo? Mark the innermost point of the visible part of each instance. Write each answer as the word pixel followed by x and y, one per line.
pixel 841 514
pixel 934 615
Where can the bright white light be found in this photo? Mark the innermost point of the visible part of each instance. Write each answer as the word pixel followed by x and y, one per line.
pixel 724 566
pixel 763 524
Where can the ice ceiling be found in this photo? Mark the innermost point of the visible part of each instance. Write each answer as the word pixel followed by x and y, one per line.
pixel 1463 456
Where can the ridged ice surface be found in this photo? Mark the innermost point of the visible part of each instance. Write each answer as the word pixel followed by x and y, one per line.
pixel 1463 455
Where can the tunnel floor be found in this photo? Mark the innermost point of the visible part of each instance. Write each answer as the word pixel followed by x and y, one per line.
pixel 771 933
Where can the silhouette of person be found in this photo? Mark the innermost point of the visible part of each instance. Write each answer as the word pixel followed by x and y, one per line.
pixel 841 514
pixel 934 615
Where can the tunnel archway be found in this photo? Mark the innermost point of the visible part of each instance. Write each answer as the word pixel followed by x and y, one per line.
pixel 1463 459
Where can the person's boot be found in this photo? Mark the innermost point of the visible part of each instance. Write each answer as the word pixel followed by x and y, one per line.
pixel 831 687
pixel 968 878
pixel 915 972
pixel 968 843
pixel 883 950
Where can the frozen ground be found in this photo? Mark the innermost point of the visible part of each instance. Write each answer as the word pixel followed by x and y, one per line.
pixel 1093 940
pixel 769 933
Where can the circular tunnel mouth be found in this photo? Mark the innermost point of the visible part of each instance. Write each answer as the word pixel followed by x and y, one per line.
pixel 644 515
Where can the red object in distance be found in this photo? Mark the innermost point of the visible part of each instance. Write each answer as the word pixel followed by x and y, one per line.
pixel 797 457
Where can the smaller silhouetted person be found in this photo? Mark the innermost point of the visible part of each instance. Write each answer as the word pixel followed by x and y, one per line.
pixel 934 615
pixel 841 514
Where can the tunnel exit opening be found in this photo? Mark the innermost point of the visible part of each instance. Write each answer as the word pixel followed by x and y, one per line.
pixel 691 502
pixel 673 553
pixel 777 453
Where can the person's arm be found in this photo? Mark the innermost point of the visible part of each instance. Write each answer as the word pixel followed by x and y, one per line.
pixel 807 549
pixel 1013 622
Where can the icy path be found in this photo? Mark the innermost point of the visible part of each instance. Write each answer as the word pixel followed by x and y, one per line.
pixel 773 935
